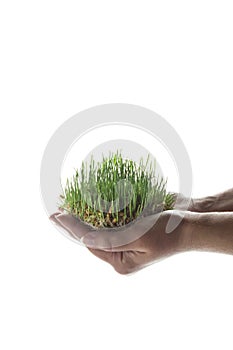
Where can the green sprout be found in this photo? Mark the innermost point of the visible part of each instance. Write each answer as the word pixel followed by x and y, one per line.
pixel 114 192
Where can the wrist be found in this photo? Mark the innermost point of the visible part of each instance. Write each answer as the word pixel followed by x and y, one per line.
pixel 209 231
pixel 188 231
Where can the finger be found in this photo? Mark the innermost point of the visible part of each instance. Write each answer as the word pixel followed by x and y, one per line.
pixel 97 240
pixel 73 225
pixel 53 216
pixel 54 219
pixel 103 240
pixel 69 224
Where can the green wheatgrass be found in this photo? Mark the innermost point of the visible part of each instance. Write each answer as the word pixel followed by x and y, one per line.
pixel 93 196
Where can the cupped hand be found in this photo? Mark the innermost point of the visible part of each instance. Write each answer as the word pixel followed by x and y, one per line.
pixel 132 247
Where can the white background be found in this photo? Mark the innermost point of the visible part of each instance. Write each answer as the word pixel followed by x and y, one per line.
pixel 58 58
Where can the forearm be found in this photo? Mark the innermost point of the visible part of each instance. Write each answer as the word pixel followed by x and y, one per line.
pixel 220 202
pixel 210 232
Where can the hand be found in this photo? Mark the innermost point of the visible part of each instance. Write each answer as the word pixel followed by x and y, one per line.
pixel 206 226
pixel 152 246
pixel 183 203
pixel 219 202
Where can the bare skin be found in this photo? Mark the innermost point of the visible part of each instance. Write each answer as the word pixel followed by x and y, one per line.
pixel 216 203
pixel 206 226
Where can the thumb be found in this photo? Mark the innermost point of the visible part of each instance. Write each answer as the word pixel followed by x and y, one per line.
pixel 72 225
